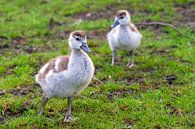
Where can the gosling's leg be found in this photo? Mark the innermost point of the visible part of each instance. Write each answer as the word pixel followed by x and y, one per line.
pixel 44 101
pixel 131 63
pixel 68 113
pixel 113 57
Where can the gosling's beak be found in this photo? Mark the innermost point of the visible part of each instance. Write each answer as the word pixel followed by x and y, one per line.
pixel 116 23
pixel 85 47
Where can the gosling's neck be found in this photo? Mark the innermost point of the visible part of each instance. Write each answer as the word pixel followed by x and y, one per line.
pixel 124 25
pixel 77 53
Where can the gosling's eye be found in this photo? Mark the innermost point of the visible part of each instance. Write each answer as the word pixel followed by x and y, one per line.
pixel 121 17
pixel 77 39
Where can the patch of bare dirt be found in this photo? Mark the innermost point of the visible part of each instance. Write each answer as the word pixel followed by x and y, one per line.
pixel 94 16
pixel 30 49
pixel 148 70
pixel 2 92
pixel 152 85
pixel 8 112
pixel 16 45
pixel 2 120
pixel 174 110
pixel 21 90
pixel 144 86
pixel 131 81
pixel 2 39
pixel 120 93
pixel 187 13
pixel 170 78
pixel 44 1
pixel 16 112
pixel 129 122
pixel 19 44
pixel 18 41
pixel 181 60
pixel 106 13
pixel 94 34
pixel 90 35
pixel 2 44
pixel 53 23
pixel 158 126
pixel 160 51
pixel 63 34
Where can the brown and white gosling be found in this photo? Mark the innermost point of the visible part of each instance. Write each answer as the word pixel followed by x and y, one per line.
pixel 67 76
pixel 123 36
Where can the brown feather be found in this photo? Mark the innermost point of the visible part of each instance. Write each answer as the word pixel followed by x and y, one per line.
pixel 79 33
pixel 121 13
pixel 133 27
pixel 62 65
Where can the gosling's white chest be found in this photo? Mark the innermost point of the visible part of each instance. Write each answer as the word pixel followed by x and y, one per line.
pixel 123 38
pixel 127 39
pixel 72 81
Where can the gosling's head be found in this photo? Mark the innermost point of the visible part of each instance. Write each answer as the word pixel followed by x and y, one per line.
pixel 78 40
pixel 122 17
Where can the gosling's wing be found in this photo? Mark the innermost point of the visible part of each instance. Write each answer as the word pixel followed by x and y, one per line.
pixel 61 63
pixel 133 27
pixel 56 65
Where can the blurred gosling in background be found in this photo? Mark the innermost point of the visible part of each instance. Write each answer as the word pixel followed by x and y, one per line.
pixel 124 36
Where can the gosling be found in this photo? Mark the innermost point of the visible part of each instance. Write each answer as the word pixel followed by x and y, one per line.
pixel 67 76
pixel 124 36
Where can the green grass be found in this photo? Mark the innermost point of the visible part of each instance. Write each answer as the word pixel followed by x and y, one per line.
pixel 136 98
